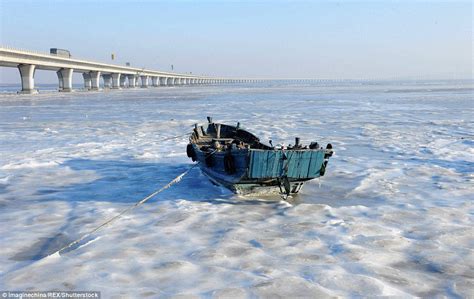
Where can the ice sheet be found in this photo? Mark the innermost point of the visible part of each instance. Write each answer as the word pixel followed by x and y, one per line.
pixel 393 215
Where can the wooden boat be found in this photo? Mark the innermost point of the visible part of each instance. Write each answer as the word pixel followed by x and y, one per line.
pixel 236 159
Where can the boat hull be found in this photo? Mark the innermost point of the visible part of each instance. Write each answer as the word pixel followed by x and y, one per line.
pixel 253 186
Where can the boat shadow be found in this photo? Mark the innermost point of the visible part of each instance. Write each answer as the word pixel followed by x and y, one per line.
pixel 128 181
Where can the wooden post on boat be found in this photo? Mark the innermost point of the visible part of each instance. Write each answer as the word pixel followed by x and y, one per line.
pixel 196 129
pixel 218 131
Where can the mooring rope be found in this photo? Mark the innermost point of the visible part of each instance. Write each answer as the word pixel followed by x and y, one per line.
pixel 175 137
pixel 142 201
pixel 138 203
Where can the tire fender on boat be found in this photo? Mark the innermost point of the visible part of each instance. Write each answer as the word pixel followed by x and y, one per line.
pixel 209 161
pixel 229 163
pixel 190 152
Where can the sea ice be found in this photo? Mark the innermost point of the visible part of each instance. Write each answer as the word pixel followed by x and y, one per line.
pixel 393 215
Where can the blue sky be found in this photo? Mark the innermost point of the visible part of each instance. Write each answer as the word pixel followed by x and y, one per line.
pixel 276 39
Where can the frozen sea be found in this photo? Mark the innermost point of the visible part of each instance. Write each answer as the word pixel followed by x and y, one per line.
pixel 392 217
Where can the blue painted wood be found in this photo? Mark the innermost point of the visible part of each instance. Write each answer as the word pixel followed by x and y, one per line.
pixel 294 171
pixel 291 163
pixel 317 159
pixel 272 164
pixel 304 164
pixel 301 164
pixel 277 170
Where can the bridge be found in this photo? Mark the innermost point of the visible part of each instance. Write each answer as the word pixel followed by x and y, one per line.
pixel 113 76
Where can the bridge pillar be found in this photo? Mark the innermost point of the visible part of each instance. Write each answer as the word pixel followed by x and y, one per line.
pixel 116 80
pixel 27 74
pixel 144 80
pixel 87 80
pixel 123 81
pixel 107 80
pixel 95 80
pixel 163 81
pixel 65 80
pixel 131 81
pixel 155 81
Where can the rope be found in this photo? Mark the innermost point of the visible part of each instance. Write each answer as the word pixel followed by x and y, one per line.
pixel 171 183
pixel 175 137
